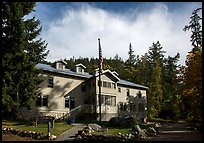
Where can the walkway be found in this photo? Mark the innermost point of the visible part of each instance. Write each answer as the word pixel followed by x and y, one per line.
pixel 180 131
pixel 69 135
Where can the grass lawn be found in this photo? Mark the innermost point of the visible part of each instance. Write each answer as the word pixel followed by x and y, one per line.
pixel 59 128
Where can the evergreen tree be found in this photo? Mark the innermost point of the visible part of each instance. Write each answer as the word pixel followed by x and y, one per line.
pixel 193 73
pixel 171 98
pixel 144 72
pixel 130 67
pixel 21 51
pixel 155 95
pixel 195 27
pixel 131 57
pixel 155 53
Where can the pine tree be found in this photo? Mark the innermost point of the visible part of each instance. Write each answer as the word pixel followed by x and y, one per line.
pixel 131 57
pixel 143 68
pixel 155 94
pixel 171 97
pixel 21 51
pixel 193 73
pixel 195 27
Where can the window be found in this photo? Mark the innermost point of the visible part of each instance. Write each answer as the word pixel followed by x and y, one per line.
pixel 128 92
pixel 66 103
pixel 114 85
pixel 80 70
pixel 113 101
pixel 60 65
pixel 139 94
pixel 119 89
pixel 42 101
pixel 108 100
pixel 108 84
pixel 45 101
pixel 50 82
pixel 104 84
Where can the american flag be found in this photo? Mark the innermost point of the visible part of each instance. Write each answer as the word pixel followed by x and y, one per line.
pixel 100 57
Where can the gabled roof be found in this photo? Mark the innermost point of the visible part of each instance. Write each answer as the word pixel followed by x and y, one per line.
pixel 108 71
pixel 65 71
pixel 80 65
pixel 62 61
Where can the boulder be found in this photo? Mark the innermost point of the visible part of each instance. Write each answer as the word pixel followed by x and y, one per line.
pixel 94 127
pixel 53 137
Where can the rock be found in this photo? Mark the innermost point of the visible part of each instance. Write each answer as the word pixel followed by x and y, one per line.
pixel 78 137
pixel 87 131
pixel 53 137
pixel 95 127
pixel 81 132
pixel 157 125
pixel 137 129
pixel 142 134
pixel 135 135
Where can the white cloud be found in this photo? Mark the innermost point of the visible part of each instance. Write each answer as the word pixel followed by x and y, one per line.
pixel 76 33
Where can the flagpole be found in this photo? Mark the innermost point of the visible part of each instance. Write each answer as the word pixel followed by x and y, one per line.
pixel 99 80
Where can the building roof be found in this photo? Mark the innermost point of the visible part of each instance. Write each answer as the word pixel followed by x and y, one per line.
pixel 108 71
pixel 80 65
pixel 46 67
pixel 49 68
pixel 125 82
pixel 62 61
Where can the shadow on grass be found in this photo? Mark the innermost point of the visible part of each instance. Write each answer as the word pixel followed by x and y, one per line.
pixel 104 124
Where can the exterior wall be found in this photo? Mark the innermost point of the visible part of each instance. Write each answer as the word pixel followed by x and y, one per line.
pixel 133 92
pixel 122 97
pixel 63 86
pixel 106 91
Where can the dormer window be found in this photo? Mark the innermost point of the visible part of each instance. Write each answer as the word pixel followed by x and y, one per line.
pixel 60 64
pixel 80 68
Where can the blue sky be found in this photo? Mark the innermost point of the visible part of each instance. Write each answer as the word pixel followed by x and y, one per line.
pixel 71 29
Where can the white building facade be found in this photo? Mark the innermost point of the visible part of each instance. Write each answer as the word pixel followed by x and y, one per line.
pixel 64 91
